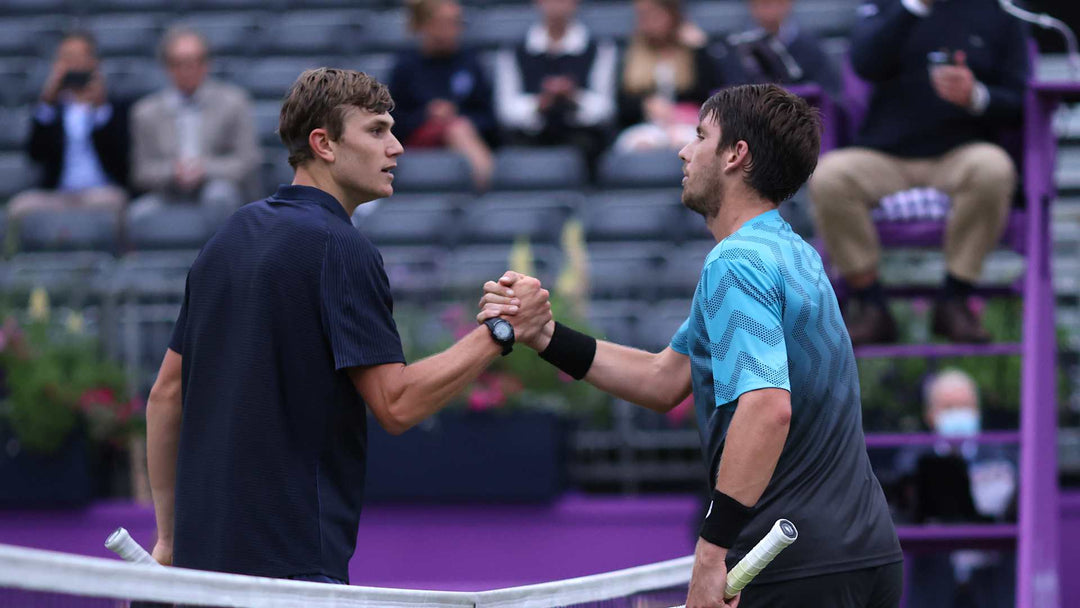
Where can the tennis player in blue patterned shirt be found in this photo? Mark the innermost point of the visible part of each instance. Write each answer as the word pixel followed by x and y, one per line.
pixel 770 364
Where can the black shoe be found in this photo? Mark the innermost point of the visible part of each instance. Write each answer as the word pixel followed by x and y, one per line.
pixel 871 324
pixel 954 321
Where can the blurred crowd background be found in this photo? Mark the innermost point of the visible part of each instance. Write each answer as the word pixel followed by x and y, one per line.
pixel 542 136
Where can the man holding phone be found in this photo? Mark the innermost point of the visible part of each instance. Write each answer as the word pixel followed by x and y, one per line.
pixel 947 78
pixel 78 136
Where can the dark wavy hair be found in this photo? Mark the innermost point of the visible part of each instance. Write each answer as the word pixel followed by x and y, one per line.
pixel 781 130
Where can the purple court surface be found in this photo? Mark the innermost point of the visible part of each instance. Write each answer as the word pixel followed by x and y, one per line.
pixel 476 547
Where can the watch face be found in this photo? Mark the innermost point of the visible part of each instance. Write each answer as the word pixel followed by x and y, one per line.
pixel 502 330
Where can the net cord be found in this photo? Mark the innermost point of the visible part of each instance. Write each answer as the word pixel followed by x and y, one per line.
pixel 49 571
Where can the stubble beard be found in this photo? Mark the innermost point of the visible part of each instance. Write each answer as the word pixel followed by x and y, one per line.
pixel 706 201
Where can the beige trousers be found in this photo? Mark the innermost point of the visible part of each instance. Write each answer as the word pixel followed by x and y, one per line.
pixel 105 198
pixel 979 177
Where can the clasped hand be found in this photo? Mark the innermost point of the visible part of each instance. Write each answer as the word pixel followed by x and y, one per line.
pixel 522 301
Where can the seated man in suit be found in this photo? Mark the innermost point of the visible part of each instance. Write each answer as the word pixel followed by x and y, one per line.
pixel 947 76
pixel 78 136
pixel 194 141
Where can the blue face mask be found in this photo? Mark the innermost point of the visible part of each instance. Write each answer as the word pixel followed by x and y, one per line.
pixel 957 423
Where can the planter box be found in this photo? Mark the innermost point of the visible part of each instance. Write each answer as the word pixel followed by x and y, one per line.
pixel 469 457
pixel 60 479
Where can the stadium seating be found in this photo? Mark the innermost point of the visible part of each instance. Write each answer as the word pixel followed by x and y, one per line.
pixel 413 220
pixel 502 217
pixel 416 273
pixel 616 215
pixel 617 320
pixel 519 168
pixel 608 20
pixel 227 34
pixel 132 78
pixel 171 227
pixel 73 230
pixel 267 117
pixel 661 322
pixel 499 26
pixel 651 169
pixel 312 32
pixel 127 34
pixel 468 267
pixel 17 173
pixel 14 127
pixel 432 171
pixel 625 270
pixel 30 36
pixel 271 77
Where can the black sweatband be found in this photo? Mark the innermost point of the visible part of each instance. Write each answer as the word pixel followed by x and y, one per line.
pixel 571 351
pixel 725 520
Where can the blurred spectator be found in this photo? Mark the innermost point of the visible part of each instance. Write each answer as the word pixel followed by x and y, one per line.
pixel 940 93
pixel 971 482
pixel 776 50
pixel 558 86
pixel 666 75
pixel 194 141
pixel 442 95
pixel 78 135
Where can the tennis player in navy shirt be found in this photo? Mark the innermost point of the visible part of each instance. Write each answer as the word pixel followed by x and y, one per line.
pixel 256 424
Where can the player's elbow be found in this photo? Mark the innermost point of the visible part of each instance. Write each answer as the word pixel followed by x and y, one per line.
pixel 780 413
pixel 393 421
pixel 669 401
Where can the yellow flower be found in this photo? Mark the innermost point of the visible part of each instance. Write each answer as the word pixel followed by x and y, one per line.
pixel 573 282
pixel 39 304
pixel 521 257
pixel 75 324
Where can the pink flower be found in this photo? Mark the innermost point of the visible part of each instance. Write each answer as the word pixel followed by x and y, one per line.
pixel 97 397
pixel 680 413
pixel 486 394
pixel 978 305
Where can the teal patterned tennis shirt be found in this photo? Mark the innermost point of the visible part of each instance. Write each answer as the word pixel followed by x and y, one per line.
pixel 764 315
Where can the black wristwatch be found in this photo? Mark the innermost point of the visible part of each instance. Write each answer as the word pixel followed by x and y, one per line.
pixel 503 334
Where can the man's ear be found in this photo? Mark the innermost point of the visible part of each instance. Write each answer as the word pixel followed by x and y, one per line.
pixel 737 157
pixel 319 140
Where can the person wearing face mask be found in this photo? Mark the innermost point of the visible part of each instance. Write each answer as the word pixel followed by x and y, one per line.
pixel 961 480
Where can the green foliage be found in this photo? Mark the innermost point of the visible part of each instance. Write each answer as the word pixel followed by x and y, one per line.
pixel 57 380
pixel 892 388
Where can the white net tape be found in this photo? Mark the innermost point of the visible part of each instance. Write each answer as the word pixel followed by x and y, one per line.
pixel 47 571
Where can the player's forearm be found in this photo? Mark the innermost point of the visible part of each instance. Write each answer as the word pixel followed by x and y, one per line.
pixel 428 385
pixel 754 442
pixel 638 376
pixel 163 415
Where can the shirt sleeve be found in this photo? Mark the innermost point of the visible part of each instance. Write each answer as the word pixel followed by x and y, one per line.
pixel 743 316
pixel 357 308
pixel 176 343
pixel 679 342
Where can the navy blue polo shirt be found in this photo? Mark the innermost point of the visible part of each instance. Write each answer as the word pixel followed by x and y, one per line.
pixel 270 474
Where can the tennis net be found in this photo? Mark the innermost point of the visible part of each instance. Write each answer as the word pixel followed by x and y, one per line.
pixel 32 578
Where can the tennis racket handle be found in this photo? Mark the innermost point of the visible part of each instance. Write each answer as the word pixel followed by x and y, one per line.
pixel 121 543
pixel 782 534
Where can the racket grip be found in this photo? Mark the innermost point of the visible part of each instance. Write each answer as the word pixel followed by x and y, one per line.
pixel 121 543
pixel 782 534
